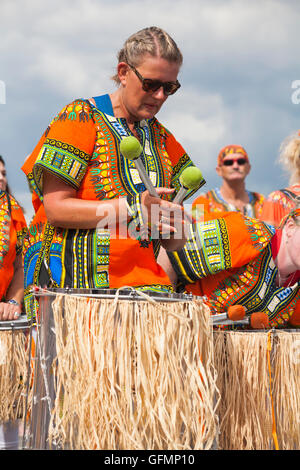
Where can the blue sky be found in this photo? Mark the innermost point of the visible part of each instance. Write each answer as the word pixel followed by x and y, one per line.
pixel 241 61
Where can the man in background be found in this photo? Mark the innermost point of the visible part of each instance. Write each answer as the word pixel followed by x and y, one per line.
pixel 233 167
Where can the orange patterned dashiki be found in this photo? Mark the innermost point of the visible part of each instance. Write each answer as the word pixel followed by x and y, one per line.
pixel 82 147
pixel 230 260
pixel 278 204
pixel 213 202
pixel 13 228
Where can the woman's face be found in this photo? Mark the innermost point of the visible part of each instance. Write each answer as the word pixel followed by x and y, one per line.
pixel 140 104
pixel 3 179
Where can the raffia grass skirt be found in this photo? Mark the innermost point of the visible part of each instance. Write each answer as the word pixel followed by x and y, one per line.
pixel 259 383
pixel 13 374
pixel 133 375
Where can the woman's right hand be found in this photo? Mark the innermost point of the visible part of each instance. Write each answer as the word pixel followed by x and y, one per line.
pixel 9 311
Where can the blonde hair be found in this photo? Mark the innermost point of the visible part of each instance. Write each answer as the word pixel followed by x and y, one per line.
pixel 289 157
pixel 152 40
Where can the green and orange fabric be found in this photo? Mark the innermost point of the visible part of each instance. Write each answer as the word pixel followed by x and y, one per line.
pixel 81 146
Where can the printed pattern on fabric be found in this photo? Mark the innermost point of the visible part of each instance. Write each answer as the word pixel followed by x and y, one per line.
pixel 282 198
pixel 115 176
pixel 62 158
pixel 212 261
pixel 259 232
pixel 87 252
pixel 10 212
pixel 216 203
pixel 81 146
pixel 13 229
pixel 254 287
pixel 183 163
pixel 19 224
pixel 279 203
pixel 5 219
pixel 206 252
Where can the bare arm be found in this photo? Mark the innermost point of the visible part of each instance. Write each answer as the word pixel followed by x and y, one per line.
pixel 64 209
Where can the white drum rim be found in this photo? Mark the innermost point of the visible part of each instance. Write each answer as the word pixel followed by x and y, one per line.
pixel 21 323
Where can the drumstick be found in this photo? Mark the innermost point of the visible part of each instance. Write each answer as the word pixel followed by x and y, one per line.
pixel 191 178
pixel 132 150
pixel 236 314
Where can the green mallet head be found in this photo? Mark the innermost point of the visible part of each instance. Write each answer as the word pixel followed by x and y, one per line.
pixel 191 178
pixel 130 147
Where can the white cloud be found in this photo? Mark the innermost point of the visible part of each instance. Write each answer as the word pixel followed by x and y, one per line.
pixel 240 59
pixel 199 122
pixel 189 127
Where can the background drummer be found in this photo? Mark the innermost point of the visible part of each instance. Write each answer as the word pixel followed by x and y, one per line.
pixel 233 167
pixel 12 231
pixel 281 201
pixel 237 260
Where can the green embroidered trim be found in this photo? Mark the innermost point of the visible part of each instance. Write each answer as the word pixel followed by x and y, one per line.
pixel 44 252
pixel 102 242
pixel 31 304
pixel 63 160
pixel 137 228
pixel 206 252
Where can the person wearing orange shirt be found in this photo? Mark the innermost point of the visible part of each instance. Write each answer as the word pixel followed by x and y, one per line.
pixel 13 229
pixel 233 167
pixel 82 183
pixel 231 259
pixel 281 201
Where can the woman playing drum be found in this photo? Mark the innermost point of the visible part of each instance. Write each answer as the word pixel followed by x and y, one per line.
pixel 281 201
pixel 232 259
pixel 12 230
pixel 85 192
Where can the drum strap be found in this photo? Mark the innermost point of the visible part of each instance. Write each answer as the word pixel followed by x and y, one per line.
pixel 103 103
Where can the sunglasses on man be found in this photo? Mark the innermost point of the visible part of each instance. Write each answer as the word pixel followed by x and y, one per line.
pixel 153 85
pixel 240 161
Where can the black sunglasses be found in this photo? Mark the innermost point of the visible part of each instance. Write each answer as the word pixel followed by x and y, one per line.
pixel 240 161
pixel 153 85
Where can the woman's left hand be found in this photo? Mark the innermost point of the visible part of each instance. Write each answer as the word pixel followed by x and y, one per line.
pixel 167 221
pixel 9 311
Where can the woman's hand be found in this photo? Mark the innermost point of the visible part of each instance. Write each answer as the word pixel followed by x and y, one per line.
pixel 12 311
pixel 64 209
pixel 168 221
pixel 9 311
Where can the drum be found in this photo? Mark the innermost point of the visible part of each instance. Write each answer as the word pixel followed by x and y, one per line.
pixel 13 369
pixel 259 381
pixel 123 370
